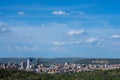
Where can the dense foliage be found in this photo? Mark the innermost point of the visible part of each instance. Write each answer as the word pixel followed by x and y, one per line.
pixel 8 74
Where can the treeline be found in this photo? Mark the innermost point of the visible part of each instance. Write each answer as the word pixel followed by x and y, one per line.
pixel 58 60
pixel 9 74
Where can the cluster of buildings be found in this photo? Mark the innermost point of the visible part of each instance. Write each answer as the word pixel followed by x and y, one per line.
pixel 59 68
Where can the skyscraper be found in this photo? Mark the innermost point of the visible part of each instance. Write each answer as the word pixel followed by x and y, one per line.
pixel 21 65
pixel 28 64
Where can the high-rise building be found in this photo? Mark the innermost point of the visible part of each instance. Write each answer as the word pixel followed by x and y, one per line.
pixel 8 65
pixel 22 65
pixel 28 64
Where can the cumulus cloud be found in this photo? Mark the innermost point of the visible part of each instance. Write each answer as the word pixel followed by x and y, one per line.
pixel 77 32
pixel 115 36
pixel 57 43
pixel 59 12
pixel 21 13
pixel 4 28
pixel 92 41
pixel 26 48
pixel 74 43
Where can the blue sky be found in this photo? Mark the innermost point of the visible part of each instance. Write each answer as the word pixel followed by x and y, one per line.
pixel 60 28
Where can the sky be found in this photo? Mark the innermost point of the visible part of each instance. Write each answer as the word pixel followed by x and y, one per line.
pixel 60 28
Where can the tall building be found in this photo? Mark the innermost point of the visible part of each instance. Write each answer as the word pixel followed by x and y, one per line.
pixel 28 64
pixel 8 65
pixel 22 65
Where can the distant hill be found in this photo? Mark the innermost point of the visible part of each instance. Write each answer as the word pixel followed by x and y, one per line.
pixel 60 60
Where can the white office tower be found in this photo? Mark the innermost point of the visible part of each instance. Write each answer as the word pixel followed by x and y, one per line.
pixel 28 64
pixel 22 65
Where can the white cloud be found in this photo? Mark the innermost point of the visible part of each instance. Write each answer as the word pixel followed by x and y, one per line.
pixel 43 26
pixel 74 43
pixel 4 28
pixel 57 43
pixel 21 13
pixel 79 32
pixel 80 12
pixel 115 36
pixel 92 41
pixel 26 48
pixel 59 12
pixel 18 48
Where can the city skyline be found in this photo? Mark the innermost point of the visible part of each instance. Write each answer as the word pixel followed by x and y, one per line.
pixel 60 28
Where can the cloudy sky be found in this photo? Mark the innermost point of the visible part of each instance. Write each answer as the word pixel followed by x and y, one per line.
pixel 60 28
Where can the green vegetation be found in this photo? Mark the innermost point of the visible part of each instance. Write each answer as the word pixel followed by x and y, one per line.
pixel 9 74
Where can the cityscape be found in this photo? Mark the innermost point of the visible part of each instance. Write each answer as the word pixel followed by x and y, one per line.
pixel 60 68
